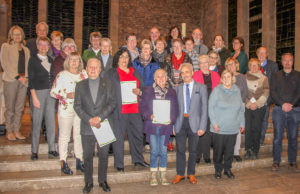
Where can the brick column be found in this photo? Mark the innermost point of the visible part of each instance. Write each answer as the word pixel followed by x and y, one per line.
pixel 42 12
pixel 243 22
pixel 114 24
pixel 3 21
pixel 297 36
pixel 225 21
pixel 78 17
pixel 269 27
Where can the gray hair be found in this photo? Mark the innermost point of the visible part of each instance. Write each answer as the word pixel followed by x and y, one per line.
pixel 158 70
pixel 219 58
pixel 189 65
pixel 67 42
pixel 42 23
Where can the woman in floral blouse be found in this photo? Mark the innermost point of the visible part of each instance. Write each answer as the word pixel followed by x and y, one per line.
pixel 64 89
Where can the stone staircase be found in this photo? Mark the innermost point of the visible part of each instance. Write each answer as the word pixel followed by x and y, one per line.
pixel 19 173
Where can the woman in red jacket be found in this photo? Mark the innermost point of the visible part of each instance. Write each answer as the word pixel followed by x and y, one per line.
pixel 211 79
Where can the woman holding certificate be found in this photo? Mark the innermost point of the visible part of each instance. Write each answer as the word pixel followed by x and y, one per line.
pixel 159 109
pixel 128 85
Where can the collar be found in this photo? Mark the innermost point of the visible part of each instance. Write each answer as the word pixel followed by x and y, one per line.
pixel 264 63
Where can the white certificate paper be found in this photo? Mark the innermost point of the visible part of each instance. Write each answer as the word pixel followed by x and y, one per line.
pixel 161 112
pixel 128 97
pixel 104 134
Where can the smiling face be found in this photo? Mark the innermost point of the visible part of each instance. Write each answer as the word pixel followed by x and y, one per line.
pixel 213 59
pixel 189 45
pixel 17 36
pixel 231 66
pixel 123 60
pixel 287 63
pixel 131 42
pixel 74 62
pixel 41 30
pixel 187 74
pixel 254 67
pixel 197 35
pixel 204 65
pixel 160 78
pixel 154 34
pixel 105 47
pixel 56 42
pixel 69 49
pixel 93 68
pixel 95 42
pixel 262 54
pixel 174 33
pixel 227 80
pixel 219 42
pixel 177 48
pixel 43 47
pixel 237 45
pixel 160 46
pixel 146 51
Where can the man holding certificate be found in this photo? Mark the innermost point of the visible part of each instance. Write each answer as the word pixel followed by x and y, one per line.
pixel 190 123
pixel 94 102
pixel 159 109
pixel 128 84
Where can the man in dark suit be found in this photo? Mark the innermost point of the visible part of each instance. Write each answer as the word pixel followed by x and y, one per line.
pixel 94 102
pixel 268 68
pixel 191 121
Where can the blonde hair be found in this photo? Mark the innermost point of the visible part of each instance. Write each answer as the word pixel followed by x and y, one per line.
pixel 10 34
pixel 236 62
pixel 109 42
pixel 67 61
pixel 232 76
pixel 146 41
pixel 42 38
pixel 57 34
pixel 203 57
pixel 252 60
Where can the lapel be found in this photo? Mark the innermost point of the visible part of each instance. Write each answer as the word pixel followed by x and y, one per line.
pixel 195 87
pixel 100 90
pixel 102 65
pixel 88 91
pixel 181 97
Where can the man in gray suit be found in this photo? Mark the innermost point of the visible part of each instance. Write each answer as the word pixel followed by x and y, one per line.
pixel 105 58
pixel 191 121
pixel 94 102
pixel 268 68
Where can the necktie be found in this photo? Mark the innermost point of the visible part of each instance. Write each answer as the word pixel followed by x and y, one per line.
pixel 187 98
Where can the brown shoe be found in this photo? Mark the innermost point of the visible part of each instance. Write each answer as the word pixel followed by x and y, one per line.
pixel 294 167
pixel 18 135
pixel 192 178
pixel 10 136
pixel 275 167
pixel 177 179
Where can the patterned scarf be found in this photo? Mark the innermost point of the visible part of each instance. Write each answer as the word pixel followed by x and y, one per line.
pixel 160 93
pixel 144 61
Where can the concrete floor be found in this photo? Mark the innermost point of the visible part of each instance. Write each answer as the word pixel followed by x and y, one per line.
pixel 247 181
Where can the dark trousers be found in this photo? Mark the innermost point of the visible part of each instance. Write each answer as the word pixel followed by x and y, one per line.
pixel 290 121
pixel 204 143
pixel 134 126
pixel 265 123
pixel 254 119
pixel 88 145
pixel 186 133
pixel 223 151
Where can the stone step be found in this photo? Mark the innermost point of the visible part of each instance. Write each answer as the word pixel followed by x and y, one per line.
pixel 50 179
pixel 24 163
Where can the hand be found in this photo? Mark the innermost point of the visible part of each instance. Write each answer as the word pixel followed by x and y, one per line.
pixel 216 128
pixel 71 95
pixel 287 107
pixel 95 122
pixel 23 80
pixel 242 129
pixel 151 117
pixel 136 91
pixel 200 132
pixel 174 133
pixel 253 106
pixel 36 103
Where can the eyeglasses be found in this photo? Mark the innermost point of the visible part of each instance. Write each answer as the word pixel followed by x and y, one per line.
pixel 213 57
pixel 125 57
pixel 17 34
pixel 74 60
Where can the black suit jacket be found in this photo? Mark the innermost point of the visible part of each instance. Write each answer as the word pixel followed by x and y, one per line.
pixel 108 63
pixel 87 109
pixel 270 68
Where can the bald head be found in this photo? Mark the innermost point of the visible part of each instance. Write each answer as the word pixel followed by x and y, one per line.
pixel 93 68
pixel 262 54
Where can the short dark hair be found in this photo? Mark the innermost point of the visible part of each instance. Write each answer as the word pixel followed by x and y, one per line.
pixel 240 39
pixel 130 34
pixel 117 57
pixel 170 31
pixel 187 38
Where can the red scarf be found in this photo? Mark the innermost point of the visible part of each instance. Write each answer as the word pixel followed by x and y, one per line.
pixel 176 63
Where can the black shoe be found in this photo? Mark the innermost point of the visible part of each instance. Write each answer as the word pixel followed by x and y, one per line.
pixel 254 156
pixel 34 156
pixel 238 158
pixel 120 169
pixel 218 174
pixel 144 164
pixel 110 151
pixel 87 188
pixel 207 161
pixel 52 154
pixel 247 155
pixel 79 165
pixel 65 168
pixel 229 174
pixel 105 186
pixel 198 160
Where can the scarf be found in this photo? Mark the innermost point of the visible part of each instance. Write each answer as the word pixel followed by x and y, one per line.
pixel 177 62
pixel 160 93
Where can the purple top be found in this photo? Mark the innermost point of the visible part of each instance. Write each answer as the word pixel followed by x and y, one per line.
pixel 146 110
pixel 55 51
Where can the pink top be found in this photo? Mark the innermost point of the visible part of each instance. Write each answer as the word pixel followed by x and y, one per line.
pixel 215 78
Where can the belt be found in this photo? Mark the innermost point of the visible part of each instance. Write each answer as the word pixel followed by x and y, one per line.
pixel 186 115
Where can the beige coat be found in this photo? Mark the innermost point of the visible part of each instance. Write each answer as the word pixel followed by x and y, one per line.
pixel 9 58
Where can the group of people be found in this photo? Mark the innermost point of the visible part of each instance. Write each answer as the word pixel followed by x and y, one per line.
pixel 214 96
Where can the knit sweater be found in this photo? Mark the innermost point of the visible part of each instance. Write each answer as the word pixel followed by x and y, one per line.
pixel 258 89
pixel 226 109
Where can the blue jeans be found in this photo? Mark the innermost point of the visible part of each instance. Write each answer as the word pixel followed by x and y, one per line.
pixel 158 150
pixel 265 123
pixel 290 121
